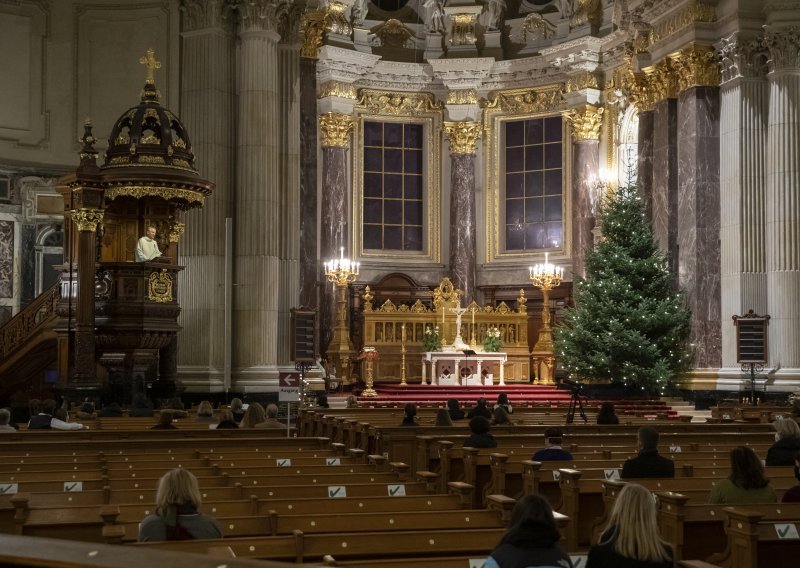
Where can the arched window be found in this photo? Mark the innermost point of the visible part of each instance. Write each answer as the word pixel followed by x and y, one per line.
pixel 49 252
pixel 628 146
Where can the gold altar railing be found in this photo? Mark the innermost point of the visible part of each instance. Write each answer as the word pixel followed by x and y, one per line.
pixel 28 321
pixel 383 329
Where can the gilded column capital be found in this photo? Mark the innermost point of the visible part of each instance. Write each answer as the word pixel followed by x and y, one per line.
pixel 696 66
pixel 335 129
pixel 462 97
pixel 87 219
pixel 742 57
pixel 784 48
pixel 338 89
pixel 585 122
pixel 662 80
pixel 637 88
pixel 463 136
pixel 312 30
pixel 463 28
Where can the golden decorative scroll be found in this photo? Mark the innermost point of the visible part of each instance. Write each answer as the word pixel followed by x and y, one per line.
pixel 338 89
pixel 526 101
pixel 586 122
pixel 580 82
pixel 176 229
pixel 335 19
pixel 393 33
pixel 159 287
pixel 397 103
pixel 313 28
pixel 87 219
pixel 462 97
pixel 463 136
pixel 335 129
pixel 696 66
pixel 463 29
pixel 167 193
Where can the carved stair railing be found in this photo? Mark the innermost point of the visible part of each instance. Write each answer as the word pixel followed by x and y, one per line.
pixel 19 329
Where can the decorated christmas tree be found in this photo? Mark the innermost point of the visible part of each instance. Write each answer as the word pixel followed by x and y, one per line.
pixel 630 325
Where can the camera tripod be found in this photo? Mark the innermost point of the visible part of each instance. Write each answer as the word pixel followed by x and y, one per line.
pixel 576 403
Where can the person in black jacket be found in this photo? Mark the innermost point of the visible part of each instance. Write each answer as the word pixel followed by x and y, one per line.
pixel 42 420
pixel 454 409
pixel 648 463
pixel 480 409
pixel 480 438
pixel 631 539
pixel 410 415
pixel 607 414
pixel 787 442
pixel 532 539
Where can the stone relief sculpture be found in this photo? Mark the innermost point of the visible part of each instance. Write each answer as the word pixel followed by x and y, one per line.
pixel 358 13
pixel 565 8
pixel 493 14
pixel 434 16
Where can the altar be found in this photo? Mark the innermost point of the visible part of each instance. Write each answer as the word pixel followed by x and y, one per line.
pixel 456 368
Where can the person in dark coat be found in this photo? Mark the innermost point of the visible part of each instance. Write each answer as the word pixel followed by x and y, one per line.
pixel 480 409
pixel 793 494
pixel 553 451
pixel 607 414
pixel 164 421
pixel 410 415
pixel 454 409
pixel 787 442
pixel 226 420
pixel 42 420
pixel 480 438
pixel 631 539
pixel 532 539
pixel 648 463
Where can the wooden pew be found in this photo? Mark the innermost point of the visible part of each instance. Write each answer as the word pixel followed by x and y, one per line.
pixel 754 540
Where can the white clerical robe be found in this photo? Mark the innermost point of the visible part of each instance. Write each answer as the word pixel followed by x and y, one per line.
pixel 147 249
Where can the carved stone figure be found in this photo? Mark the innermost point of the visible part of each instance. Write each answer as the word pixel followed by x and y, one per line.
pixel 435 16
pixel 358 13
pixel 493 14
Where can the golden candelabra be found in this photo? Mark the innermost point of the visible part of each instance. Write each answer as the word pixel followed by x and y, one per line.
pixel 403 357
pixel 341 271
pixel 545 276
pixel 369 354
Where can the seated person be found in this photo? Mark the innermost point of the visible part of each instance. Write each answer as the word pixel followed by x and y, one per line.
pixel 42 420
pixel 5 418
pixel 648 463
pixel 746 483
pixel 480 409
pixel 553 451
pixel 501 417
pixel 205 412
pixel 502 402
pixel 111 409
pixel 410 415
pixel 480 438
pixel 787 442
pixel 226 420
pixel 793 494
pixel 443 418
pixel 177 516
pixel 164 421
pixel 607 414
pixel 175 406
pixel 253 416
pixel 87 411
pixel 454 409
pixel 237 408
pixel 61 421
pixel 271 419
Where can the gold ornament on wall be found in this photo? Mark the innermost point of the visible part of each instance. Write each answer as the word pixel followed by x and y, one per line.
pixel 463 32
pixel 393 33
pixel 335 129
pixel 167 193
pixel 463 136
pixel 526 101
pixel 585 122
pixel 462 97
pixel 159 287
pixel 537 26
pixel 338 89
pixel 313 29
pixel 176 229
pixel 335 19
pixel 686 16
pixel 580 82
pixel 696 66
pixel 397 103
pixel 87 219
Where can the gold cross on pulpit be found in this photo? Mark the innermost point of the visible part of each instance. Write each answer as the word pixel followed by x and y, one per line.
pixel 150 61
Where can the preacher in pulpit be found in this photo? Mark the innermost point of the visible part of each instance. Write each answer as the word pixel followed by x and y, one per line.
pixel 147 247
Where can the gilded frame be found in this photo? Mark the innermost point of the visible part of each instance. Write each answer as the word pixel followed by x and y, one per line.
pixel 494 116
pixel 430 116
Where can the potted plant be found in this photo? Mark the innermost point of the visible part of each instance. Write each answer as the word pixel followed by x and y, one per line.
pixel 431 341
pixel 492 342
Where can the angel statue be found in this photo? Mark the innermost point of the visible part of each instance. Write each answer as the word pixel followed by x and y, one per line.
pixel 435 19
pixel 358 13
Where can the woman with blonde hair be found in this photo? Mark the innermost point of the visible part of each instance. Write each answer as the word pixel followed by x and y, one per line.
pixel 255 414
pixel 787 442
pixel 177 517
pixel 205 412
pixel 631 539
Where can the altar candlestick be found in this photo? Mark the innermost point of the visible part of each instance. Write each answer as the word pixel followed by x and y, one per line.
pixel 403 331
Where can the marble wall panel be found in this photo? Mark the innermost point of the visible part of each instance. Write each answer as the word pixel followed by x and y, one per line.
pixel 6 259
pixel 28 263
pixel 585 168
pixel 462 224
pixel 664 203
pixel 309 271
pixel 698 218
pixel 644 165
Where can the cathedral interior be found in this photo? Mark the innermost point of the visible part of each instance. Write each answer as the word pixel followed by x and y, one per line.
pixel 422 139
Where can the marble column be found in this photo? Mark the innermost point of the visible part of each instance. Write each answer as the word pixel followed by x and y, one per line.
pixel 783 201
pixel 664 194
pixel 644 160
pixel 207 110
pixel 744 104
pixel 586 123
pixel 308 182
pixel 698 202
pixel 463 138
pixel 257 220
pixel 335 130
